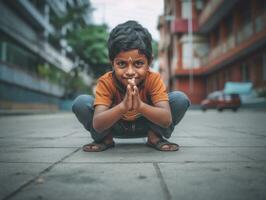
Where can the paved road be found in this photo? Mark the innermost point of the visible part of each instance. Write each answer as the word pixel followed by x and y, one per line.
pixel 222 156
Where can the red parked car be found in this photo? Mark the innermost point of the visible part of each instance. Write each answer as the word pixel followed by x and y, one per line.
pixel 220 101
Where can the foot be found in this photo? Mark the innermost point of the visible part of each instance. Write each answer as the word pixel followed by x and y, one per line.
pixel 107 143
pixel 159 143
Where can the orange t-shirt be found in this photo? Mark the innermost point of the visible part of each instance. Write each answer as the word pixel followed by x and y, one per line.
pixel 110 92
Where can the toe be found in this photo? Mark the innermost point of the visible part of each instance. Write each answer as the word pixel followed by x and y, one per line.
pixel 94 147
pixel 174 147
pixel 166 147
pixel 90 147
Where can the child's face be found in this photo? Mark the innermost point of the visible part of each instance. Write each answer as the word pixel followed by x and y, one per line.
pixel 130 64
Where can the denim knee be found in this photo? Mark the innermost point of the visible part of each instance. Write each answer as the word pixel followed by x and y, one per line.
pixel 82 101
pixel 83 108
pixel 179 103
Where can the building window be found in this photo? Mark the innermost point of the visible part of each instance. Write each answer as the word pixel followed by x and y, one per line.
pixel 245 72
pixel 186 9
pixel 246 29
pixel 227 75
pixel 217 36
pixel 16 55
pixel 229 25
pixel 246 15
pixel 264 66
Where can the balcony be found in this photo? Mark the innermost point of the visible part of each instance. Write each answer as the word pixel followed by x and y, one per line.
pixel 248 38
pixel 29 11
pixel 181 26
pixel 213 12
pixel 245 32
pixel 228 44
pixel 24 79
pixel 22 32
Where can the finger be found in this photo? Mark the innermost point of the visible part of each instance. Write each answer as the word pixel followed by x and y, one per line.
pixel 133 81
pixel 133 103
pixel 129 97
pixel 130 82
pixel 136 90
pixel 129 90
pixel 133 90
pixel 134 100
pixel 128 87
pixel 135 97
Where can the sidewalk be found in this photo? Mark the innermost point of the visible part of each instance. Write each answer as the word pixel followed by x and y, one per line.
pixel 222 156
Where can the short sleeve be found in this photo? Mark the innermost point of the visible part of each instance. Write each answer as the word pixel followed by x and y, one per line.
pixel 104 94
pixel 157 89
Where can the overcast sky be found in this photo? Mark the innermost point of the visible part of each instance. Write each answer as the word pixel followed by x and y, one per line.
pixel 114 12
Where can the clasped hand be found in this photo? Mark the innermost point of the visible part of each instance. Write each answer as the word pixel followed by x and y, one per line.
pixel 132 99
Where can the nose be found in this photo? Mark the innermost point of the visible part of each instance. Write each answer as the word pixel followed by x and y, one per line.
pixel 130 71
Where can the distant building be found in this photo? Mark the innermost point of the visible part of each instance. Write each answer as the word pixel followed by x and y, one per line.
pixel 29 53
pixel 222 41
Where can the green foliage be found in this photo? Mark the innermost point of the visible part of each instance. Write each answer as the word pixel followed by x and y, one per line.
pixel 87 41
pixel 90 43
pixel 51 73
pixel 75 85
pixel 74 16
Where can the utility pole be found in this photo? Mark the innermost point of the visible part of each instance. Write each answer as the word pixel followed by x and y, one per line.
pixel 190 36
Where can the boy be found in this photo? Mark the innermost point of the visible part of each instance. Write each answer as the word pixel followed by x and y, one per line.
pixel 131 101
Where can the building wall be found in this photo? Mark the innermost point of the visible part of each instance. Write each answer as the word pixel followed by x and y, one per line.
pixel 228 45
pixel 16 97
pixel 32 67
pixel 199 88
pixel 248 69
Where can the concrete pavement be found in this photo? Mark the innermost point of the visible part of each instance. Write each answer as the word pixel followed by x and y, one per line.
pixel 222 156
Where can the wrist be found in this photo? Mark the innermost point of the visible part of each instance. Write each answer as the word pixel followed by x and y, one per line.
pixel 141 106
pixel 122 108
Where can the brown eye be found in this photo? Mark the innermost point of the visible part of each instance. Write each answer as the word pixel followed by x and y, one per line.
pixel 139 63
pixel 121 64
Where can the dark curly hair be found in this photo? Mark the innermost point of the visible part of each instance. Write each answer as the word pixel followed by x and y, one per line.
pixel 127 36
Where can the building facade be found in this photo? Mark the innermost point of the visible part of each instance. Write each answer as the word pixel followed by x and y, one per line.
pixel 205 43
pixel 32 65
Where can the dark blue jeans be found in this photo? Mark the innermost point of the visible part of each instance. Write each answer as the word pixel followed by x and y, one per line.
pixel 83 109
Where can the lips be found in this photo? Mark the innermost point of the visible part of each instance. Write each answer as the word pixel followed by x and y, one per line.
pixel 130 78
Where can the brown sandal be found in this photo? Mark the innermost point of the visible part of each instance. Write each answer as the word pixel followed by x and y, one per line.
pixel 101 146
pixel 158 145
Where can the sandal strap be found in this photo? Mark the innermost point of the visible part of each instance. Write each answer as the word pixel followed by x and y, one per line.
pixel 163 141
pixel 101 146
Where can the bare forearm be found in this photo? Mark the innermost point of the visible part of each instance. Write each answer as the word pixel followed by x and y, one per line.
pixel 157 115
pixel 106 119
